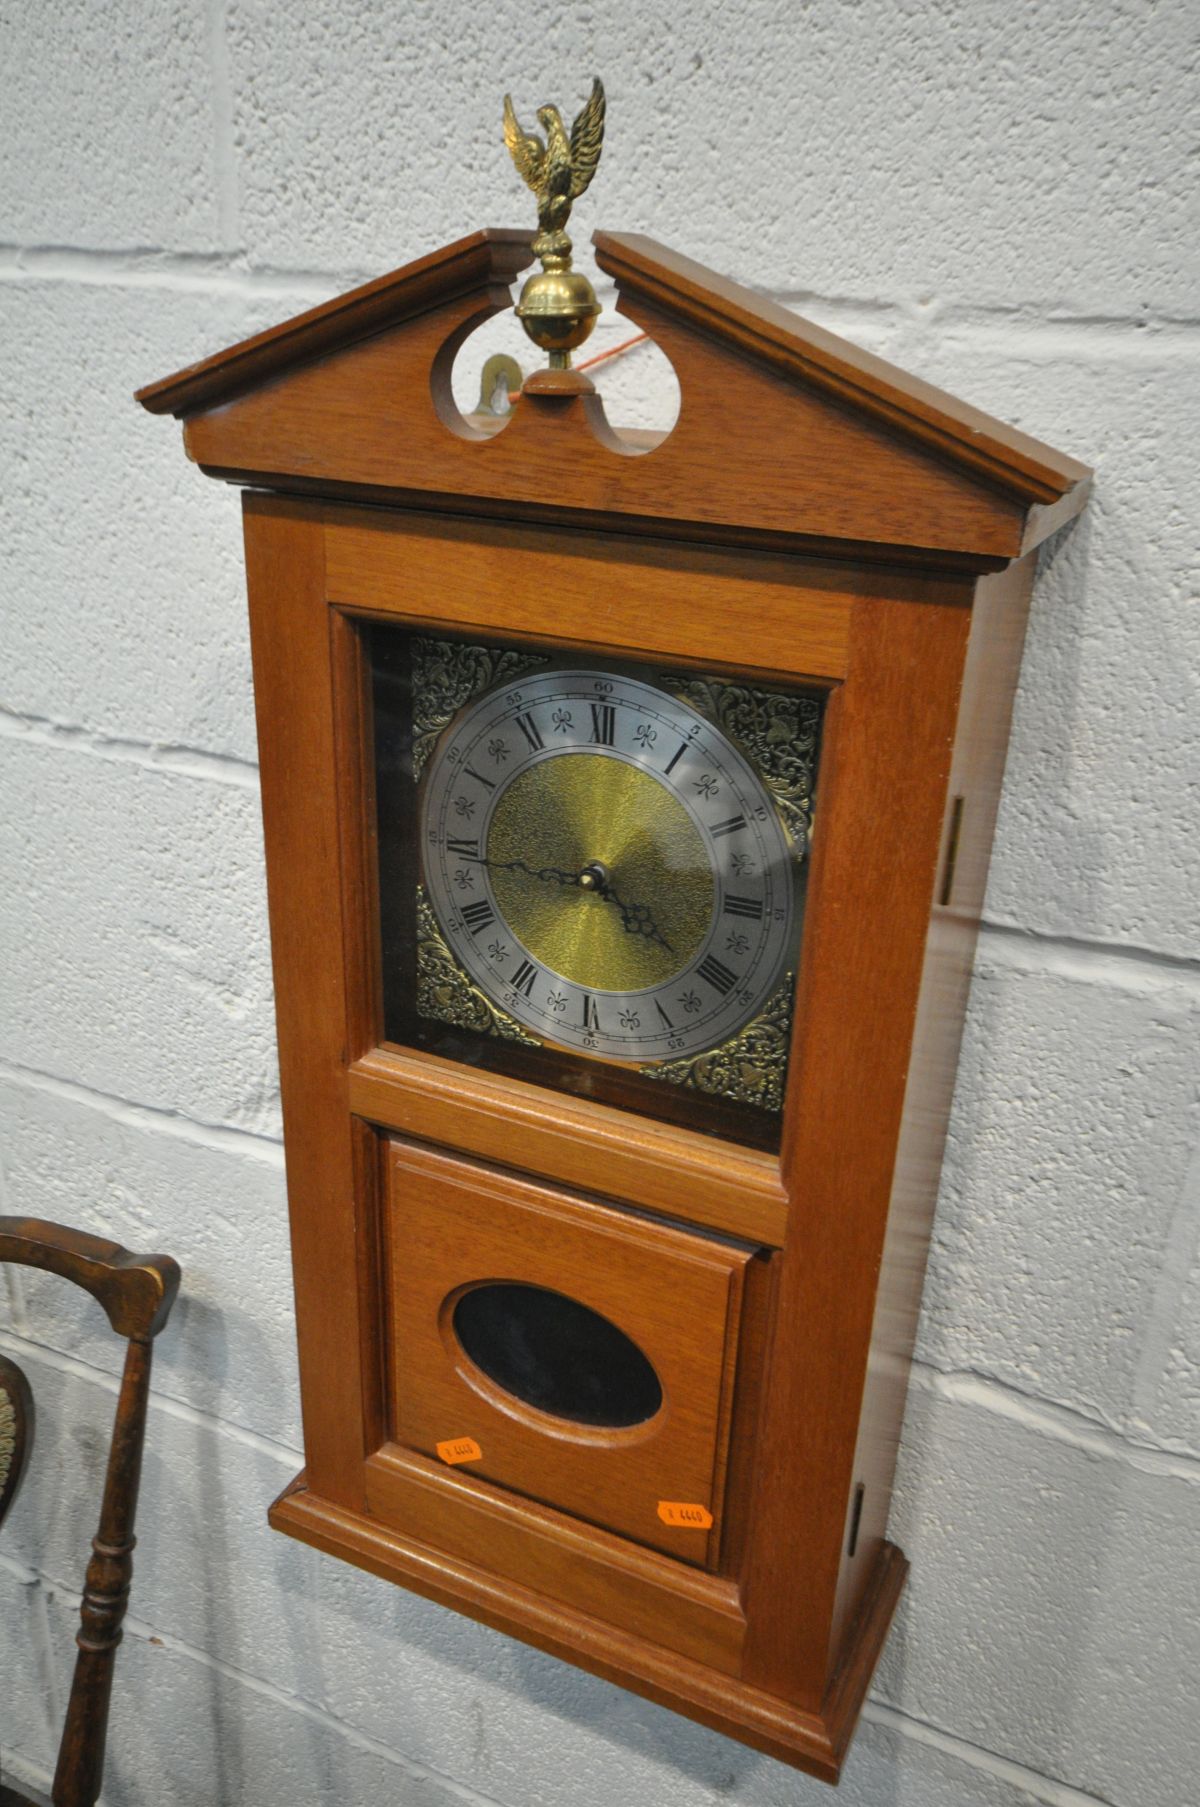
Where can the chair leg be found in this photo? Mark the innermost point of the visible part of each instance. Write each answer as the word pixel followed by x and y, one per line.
pixel 80 1770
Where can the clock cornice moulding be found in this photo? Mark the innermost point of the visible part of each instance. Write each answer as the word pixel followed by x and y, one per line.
pixel 848 455
pixel 481 259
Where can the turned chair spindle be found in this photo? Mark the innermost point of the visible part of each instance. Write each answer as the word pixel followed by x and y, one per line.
pixel 137 1292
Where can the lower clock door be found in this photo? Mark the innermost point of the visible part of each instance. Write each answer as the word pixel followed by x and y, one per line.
pixel 567 1351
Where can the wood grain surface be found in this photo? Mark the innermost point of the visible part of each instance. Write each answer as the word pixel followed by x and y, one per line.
pixel 675 1294
pixel 807 435
pixel 684 1175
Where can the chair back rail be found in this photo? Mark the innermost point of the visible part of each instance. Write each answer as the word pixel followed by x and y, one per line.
pixel 137 1293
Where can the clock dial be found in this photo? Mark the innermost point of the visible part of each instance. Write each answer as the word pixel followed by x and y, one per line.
pixel 606 865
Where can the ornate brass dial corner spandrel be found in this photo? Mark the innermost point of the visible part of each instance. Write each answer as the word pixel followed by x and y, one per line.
pixel 777 729
pixel 445 994
pixel 449 674
pixel 749 1068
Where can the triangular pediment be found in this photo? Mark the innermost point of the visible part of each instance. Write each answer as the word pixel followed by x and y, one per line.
pixel 784 429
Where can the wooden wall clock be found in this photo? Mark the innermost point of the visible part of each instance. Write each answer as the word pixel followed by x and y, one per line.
pixel 628 805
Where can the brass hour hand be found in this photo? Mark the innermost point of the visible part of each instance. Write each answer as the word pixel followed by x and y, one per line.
pixel 636 918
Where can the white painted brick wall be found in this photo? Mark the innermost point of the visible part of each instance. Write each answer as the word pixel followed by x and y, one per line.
pixel 1000 198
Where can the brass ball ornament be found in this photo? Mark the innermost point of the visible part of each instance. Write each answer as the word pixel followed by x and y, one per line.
pixel 558 308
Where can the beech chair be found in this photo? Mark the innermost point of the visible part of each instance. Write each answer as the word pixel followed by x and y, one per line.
pixel 137 1293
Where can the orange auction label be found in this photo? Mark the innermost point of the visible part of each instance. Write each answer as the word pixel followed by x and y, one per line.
pixel 459 1449
pixel 686 1516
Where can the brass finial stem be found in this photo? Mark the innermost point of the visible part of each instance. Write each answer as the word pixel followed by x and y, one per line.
pixel 558 306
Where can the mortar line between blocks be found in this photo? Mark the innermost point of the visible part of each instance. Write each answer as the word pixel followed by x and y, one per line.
pixel 154 756
pixel 1047 1790
pixel 1128 966
pixel 17 1768
pixel 1061 1423
pixel 215 272
pixel 1115 963
pixel 224 156
pixel 20 1572
pixel 33 1350
pixel 153 1119
pixel 180 272
pixel 291 1702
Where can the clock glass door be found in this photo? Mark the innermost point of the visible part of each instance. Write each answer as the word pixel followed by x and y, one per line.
pixel 592 874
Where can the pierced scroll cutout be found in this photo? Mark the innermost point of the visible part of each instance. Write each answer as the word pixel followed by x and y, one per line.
pixel 479 372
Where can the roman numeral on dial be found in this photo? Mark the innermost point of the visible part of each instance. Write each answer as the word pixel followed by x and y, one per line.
pixel 604 724
pixel 524 977
pixel 744 906
pixel 466 850
pixel 729 827
pixel 488 783
pixel 530 730
pixel 479 915
pixel 662 1013
pixel 591 1016
pixel 718 976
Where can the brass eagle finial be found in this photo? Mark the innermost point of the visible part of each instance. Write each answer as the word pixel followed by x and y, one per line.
pixel 558 306
pixel 559 170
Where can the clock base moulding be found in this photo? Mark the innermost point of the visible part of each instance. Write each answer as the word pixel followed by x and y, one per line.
pixel 842 530
pixel 815 1741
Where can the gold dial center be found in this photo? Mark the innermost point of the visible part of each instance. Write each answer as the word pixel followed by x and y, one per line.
pixel 614 889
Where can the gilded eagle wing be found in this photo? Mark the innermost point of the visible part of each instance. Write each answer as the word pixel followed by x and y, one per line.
pixel 587 137
pixel 525 148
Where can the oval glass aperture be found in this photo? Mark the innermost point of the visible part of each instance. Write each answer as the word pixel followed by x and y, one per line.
pixel 556 1355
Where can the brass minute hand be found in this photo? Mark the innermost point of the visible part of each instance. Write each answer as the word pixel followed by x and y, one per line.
pixel 554 874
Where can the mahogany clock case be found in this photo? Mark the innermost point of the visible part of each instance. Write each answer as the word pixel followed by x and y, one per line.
pixel 419 1178
pixel 695 1508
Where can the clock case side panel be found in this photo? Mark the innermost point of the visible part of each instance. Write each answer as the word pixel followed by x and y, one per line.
pixel 882 796
pixel 301 675
pixel 998 622
pixel 908 846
